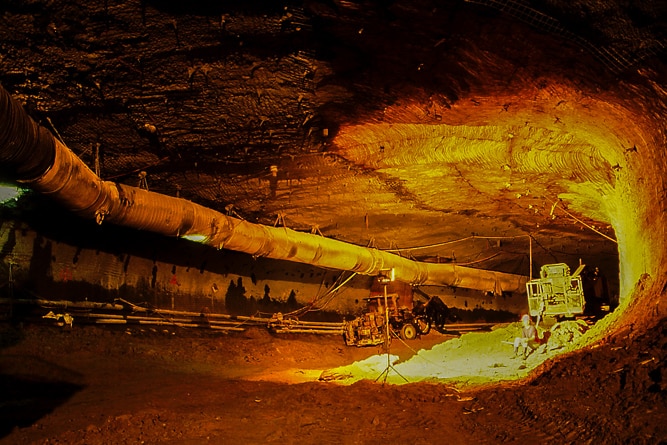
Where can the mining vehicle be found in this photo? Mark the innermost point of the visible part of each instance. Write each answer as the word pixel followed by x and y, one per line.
pixel 557 293
pixel 370 328
pixel 404 321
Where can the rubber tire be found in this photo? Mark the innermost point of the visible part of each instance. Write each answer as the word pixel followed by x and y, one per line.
pixel 408 331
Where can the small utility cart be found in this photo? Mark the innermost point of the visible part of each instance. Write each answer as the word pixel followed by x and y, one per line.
pixel 556 293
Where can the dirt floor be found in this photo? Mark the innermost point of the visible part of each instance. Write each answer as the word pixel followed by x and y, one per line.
pixel 120 385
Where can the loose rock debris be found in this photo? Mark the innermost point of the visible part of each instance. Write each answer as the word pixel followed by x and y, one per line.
pixel 99 385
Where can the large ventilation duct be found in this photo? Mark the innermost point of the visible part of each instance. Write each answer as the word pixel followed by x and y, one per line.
pixel 32 156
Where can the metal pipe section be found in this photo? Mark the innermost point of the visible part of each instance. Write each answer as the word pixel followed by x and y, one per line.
pixel 42 162
pixel 26 148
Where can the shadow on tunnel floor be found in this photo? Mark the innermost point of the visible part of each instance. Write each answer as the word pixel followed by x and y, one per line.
pixel 30 388
pixel 10 334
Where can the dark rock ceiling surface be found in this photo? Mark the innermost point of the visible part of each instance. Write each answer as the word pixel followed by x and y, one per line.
pixel 323 115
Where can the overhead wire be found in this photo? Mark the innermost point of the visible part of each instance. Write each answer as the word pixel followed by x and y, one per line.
pixel 444 243
pixel 581 222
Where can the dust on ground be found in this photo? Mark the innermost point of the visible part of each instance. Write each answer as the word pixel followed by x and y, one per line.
pixel 97 385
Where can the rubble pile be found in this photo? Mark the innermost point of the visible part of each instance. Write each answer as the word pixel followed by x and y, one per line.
pixel 565 333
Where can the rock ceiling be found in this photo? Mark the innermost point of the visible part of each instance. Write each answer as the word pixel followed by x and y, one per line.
pixel 398 125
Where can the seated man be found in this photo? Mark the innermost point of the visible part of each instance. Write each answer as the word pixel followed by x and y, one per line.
pixel 528 338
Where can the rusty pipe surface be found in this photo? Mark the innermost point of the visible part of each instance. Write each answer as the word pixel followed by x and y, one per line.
pixel 42 162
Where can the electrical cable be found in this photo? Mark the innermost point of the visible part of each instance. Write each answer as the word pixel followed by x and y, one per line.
pixel 581 222
pixel 444 243
pixel 480 261
pixel 329 296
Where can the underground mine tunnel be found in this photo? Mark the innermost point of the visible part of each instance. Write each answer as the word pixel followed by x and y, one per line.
pixel 231 222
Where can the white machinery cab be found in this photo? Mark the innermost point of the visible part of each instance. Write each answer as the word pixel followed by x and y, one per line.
pixel 556 292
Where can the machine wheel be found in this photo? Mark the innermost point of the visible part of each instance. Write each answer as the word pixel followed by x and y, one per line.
pixel 408 331
pixel 423 325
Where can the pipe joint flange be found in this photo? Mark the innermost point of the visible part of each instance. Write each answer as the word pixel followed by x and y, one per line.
pixel 373 266
pixel 421 273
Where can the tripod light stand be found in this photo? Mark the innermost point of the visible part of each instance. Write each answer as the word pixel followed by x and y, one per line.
pixel 385 277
